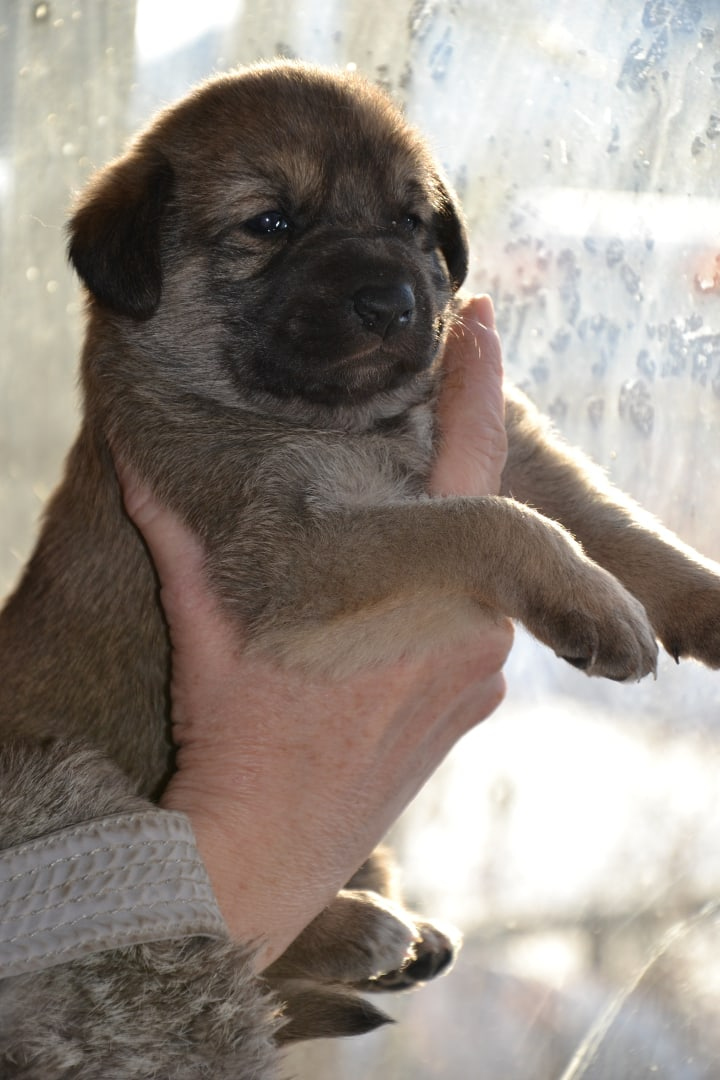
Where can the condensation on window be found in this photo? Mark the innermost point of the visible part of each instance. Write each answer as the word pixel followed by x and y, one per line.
pixel 575 837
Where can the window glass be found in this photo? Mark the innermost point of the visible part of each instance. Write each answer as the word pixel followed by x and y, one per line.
pixel 575 836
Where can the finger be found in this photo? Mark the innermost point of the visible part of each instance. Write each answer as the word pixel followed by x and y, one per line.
pixel 177 553
pixel 471 411
pixel 481 308
pixel 479 660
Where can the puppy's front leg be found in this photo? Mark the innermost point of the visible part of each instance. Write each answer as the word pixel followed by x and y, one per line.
pixel 374 582
pixel 679 589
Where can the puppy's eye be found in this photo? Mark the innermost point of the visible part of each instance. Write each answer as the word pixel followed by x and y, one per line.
pixel 269 223
pixel 407 223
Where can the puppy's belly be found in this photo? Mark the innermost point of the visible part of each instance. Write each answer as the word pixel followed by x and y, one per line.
pixel 379 635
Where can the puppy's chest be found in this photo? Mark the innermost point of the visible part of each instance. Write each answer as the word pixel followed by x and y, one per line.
pixel 372 469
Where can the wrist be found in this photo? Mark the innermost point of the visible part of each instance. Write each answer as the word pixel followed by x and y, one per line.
pixel 264 890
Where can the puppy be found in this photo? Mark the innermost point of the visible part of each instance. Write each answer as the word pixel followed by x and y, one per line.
pixel 270 272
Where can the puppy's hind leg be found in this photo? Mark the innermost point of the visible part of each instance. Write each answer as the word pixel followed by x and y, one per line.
pixel 358 937
pixel 361 942
pixel 437 945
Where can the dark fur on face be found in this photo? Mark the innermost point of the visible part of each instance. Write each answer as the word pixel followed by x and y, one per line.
pixel 270 272
pixel 355 207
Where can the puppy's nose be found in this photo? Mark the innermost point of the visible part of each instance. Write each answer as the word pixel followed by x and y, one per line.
pixel 385 309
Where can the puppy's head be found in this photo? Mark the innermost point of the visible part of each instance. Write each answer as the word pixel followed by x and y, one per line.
pixel 283 226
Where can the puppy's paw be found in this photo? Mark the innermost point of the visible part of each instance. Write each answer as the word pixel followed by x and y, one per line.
pixel 358 937
pixel 689 624
pixel 595 624
pixel 434 954
pixel 315 1011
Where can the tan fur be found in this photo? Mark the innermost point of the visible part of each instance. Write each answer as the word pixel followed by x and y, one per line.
pixel 243 375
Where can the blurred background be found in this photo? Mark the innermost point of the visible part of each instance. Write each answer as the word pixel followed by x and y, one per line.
pixel 574 837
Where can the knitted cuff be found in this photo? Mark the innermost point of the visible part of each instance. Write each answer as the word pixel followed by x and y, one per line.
pixel 118 881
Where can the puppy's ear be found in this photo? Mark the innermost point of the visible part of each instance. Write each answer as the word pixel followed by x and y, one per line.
pixel 115 233
pixel 451 233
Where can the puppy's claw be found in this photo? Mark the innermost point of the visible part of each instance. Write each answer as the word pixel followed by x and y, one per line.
pixel 674 651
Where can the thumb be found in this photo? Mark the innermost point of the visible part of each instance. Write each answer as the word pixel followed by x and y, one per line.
pixel 471 410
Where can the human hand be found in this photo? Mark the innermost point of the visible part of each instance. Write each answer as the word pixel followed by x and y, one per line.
pixel 290 781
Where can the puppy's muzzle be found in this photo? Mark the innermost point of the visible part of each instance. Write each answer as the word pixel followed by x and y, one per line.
pixel 385 309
